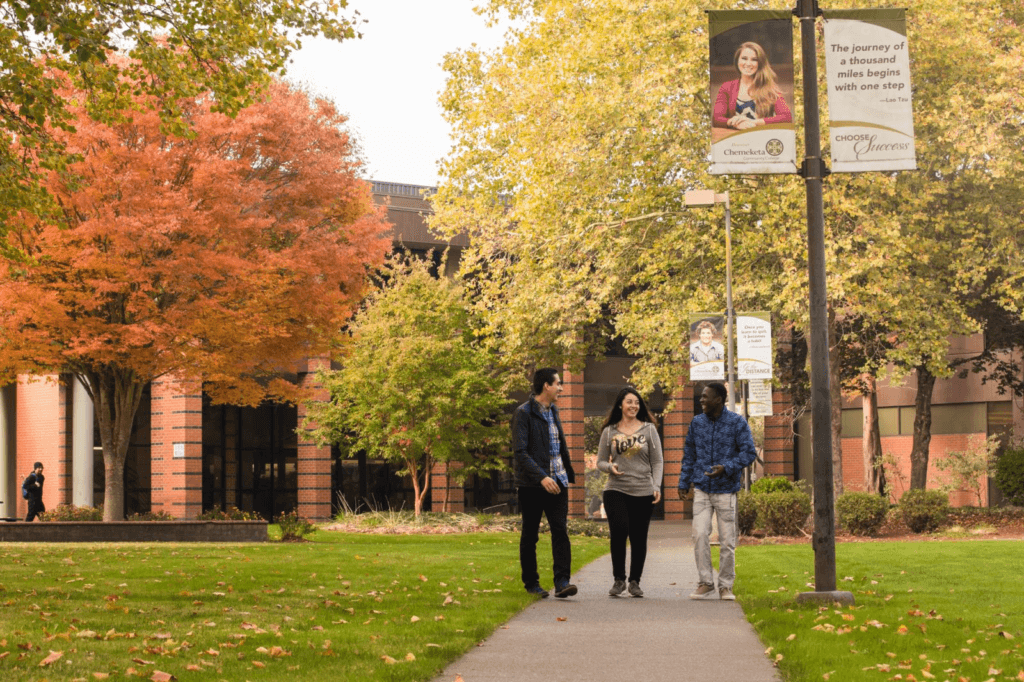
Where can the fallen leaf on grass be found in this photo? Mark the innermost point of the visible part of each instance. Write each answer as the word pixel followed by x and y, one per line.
pixel 52 658
pixel 101 676
pixel 431 644
pixel 160 676
pixel 387 659
pixel 791 638
pixel 902 630
pixel 410 657
pixel 85 633
pixel 414 619
pixel 1005 635
pixel 259 664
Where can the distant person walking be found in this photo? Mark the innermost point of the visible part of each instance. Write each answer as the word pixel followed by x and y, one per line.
pixel 33 485
pixel 543 473
pixel 718 447
pixel 630 453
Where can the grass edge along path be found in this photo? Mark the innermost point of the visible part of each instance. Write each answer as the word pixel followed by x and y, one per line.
pixel 924 611
pixel 345 606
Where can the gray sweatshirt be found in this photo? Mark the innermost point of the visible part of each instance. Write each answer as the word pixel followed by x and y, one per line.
pixel 638 457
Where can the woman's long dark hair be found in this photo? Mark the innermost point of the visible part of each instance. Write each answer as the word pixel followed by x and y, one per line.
pixel 615 416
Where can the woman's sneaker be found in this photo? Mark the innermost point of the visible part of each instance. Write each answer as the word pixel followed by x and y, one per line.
pixel 617 588
pixel 564 589
pixel 634 589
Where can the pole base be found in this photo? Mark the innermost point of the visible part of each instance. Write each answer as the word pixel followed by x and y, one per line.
pixel 826 597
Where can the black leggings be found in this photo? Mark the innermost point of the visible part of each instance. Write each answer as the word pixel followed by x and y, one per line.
pixel 629 517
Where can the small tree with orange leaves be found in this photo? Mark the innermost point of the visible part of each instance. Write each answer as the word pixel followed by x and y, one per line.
pixel 224 256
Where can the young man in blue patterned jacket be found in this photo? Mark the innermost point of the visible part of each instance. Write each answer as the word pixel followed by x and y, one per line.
pixel 718 448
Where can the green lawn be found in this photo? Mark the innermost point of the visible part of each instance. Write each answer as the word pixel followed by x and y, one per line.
pixel 330 609
pixel 925 610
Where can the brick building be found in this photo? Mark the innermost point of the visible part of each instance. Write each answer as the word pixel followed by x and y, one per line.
pixel 187 455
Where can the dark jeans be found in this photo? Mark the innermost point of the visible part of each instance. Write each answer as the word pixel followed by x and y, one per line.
pixel 532 503
pixel 628 517
pixel 35 507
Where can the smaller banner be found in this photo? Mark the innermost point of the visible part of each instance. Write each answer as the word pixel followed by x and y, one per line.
pixel 754 345
pixel 868 69
pixel 751 77
pixel 707 349
pixel 759 398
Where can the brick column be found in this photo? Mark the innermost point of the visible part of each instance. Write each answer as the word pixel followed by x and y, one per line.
pixel 778 429
pixel 39 437
pixel 176 451
pixel 64 472
pixel 444 486
pixel 570 410
pixel 314 466
pixel 677 423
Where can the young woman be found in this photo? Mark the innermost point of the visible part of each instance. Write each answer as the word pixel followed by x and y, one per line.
pixel 630 453
pixel 753 99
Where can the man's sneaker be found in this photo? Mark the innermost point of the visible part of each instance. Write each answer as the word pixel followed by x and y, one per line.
pixel 634 589
pixel 618 588
pixel 726 593
pixel 537 590
pixel 564 589
pixel 702 591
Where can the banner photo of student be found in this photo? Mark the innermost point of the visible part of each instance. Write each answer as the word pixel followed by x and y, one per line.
pixel 754 345
pixel 751 78
pixel 707 347
pixel 868 69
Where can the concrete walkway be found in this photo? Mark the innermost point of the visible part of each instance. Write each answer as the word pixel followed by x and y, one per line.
pixel 664 636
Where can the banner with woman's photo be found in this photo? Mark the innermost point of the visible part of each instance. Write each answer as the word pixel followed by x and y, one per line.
pixel 707 350
pixel 751 75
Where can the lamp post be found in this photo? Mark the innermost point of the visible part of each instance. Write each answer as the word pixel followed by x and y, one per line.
pixel 704 198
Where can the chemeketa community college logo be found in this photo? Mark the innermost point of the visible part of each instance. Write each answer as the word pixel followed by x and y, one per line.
pixel 774 147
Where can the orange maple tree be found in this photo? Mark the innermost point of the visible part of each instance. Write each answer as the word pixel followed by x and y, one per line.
pixel 223 257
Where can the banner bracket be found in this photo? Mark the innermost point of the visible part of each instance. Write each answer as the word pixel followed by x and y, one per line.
pixel 807 9
pixel 814 167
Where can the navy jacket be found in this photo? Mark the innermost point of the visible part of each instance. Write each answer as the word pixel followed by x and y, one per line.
pixel 726 441
pixel 531 445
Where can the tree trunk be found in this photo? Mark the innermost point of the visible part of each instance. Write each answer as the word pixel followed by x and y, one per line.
pixel 116 394
pixel 874 474
pixel 922 428
pixel 419 490
pixel 835 389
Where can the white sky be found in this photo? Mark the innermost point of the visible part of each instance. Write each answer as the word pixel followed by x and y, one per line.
pixel 388 82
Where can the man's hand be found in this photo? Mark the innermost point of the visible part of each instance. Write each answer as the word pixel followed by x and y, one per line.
pixel 715 471
pixel 550 485
pixel 683 493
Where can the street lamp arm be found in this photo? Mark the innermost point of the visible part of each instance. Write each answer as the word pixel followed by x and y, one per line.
pixel 646 216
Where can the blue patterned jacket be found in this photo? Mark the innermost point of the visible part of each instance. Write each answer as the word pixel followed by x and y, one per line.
pixel 726 441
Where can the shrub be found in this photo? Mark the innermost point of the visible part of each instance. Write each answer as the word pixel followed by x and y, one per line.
pixel 783 512
pixel 772 484
pixel 69 512
pixel 231 514
pixel 1010 474
pixel 152 516
pixel 924 510
pixel 293 527
pixel 861 513
pixel 746 512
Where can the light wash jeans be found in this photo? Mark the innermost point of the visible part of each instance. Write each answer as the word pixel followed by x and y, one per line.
pixel 724 505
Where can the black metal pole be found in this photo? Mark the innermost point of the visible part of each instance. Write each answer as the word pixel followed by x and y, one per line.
pixel 824 540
